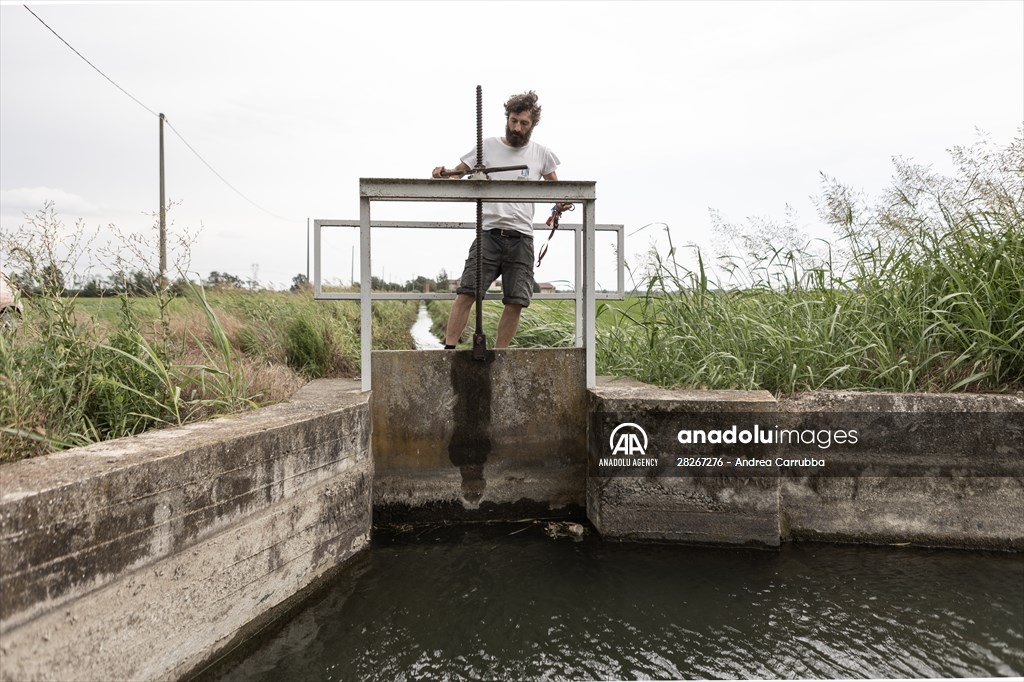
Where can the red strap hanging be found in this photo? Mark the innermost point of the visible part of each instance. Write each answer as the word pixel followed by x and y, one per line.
pixel 552 221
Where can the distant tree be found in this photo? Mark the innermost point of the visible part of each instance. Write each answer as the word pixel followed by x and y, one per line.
pixel 442 281
pixel 224 280
pixel 378 284
pixel 24 282
pixel 118 282
pixel 421 283
pixel 92 289
pixel 142 283
pixel 51 280
pixel 178 287
pixel 299 283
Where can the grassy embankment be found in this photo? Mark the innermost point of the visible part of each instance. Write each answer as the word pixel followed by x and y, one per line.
pixel 945 318
pixel 923 291
pixel 78 371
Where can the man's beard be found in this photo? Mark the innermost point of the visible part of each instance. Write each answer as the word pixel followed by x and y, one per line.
pixel 517 139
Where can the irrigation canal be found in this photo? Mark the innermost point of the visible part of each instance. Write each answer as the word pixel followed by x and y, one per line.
pixel 508 602
pixel 421 334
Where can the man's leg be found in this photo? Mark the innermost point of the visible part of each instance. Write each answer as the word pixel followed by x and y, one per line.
pixel 508 324
pixel 458 318
pixel 459 315
pixel 516 286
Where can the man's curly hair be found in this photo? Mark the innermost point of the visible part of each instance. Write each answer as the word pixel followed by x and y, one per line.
pixel 526 101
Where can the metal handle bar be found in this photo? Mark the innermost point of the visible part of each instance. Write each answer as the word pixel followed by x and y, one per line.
pixel 468 171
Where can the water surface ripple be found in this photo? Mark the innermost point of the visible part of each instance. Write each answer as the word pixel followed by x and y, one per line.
pixel 476 604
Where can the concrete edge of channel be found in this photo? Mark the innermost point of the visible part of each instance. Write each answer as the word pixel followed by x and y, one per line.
pixel 143 558
pixel 153 556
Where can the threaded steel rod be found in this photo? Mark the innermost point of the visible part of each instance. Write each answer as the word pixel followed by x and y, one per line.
pixel 479 219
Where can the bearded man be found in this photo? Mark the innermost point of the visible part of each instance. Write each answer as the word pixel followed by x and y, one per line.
pixel 507 237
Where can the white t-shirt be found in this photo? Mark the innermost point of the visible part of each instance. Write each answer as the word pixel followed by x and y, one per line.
pixel 540 161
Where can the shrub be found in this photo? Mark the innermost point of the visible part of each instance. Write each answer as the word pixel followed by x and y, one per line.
pixel 307 349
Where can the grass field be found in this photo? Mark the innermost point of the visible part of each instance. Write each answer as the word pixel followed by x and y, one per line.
pixel 77 371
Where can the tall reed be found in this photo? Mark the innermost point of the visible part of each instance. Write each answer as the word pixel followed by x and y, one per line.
pixel 922 290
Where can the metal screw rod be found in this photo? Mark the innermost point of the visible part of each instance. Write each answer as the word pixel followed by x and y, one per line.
pixel 479 340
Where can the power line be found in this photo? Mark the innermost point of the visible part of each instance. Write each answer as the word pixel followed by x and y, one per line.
pixel 134 99
pixel 90 63
pixel 198 156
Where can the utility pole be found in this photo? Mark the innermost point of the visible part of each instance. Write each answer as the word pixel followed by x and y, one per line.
pixel 163 213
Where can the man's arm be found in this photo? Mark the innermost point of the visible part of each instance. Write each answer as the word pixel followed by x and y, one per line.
pixel 553 176
pixel 436 173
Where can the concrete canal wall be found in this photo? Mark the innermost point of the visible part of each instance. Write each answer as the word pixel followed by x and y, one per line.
pixel 455 438
pixel 654 506
pixel 143 558
pixel 942 471
pixel 968 454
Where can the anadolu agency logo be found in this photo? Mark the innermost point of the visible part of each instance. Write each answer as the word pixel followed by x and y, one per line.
pixel 628 444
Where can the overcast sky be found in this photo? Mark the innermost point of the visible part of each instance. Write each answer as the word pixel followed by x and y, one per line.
pixel 671 107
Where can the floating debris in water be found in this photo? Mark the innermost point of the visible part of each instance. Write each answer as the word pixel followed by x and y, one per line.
pixel 564 529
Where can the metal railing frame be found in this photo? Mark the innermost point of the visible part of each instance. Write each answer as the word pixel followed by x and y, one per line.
pixel 378 189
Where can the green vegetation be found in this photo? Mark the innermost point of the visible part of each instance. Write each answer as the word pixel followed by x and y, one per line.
pixel 933 314
pixel 921 291
pixel 79 371
pixel 545 324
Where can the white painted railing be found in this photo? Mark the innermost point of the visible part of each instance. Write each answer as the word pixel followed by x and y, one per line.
pixel 377 189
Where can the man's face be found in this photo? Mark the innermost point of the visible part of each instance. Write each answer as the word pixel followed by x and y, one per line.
pixel 518 128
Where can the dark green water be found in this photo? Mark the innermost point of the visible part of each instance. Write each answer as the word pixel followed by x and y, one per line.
pixel 483 604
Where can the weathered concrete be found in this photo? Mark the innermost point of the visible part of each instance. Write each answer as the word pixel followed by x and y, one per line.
pixel 954 509
pixel 144 557
pixel 461 438
pixel 947 473
pixel 730 511
pixel 139 558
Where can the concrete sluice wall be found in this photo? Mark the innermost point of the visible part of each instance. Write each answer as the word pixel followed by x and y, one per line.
pixel 145 558
pixel 947 473
pixel 460 439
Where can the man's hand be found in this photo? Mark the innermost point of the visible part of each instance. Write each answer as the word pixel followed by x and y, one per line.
pixel 452 174
pixel 456 173
pixel 563 207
